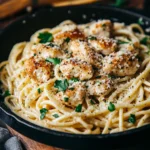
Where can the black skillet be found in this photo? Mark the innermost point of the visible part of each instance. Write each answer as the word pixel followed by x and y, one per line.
pixel 21 31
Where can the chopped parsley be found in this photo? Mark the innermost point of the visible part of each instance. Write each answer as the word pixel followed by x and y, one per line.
pixel 72 80
pixel 71 89
pixel 56 116
pixel 34 54
pixel 97 77
pixel 103 25
pixel 92 102
pixel 111 107
pixel 132 118
pixel 67 40
pixel 145 40
pixel 43 112
pixel 140 21
pixel 54 61
pixel 45 37
pixel 92 38
pixel 119 3
pixel 148 52
pixel 6 93
pixel 122 42
pixel 66 99
pixel 112 76
pixel 61 85
pixel 51 44
pixel 66 51
pixel 78 108
pixel 39 90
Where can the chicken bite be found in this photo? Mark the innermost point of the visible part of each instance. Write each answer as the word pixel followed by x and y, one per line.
pixel 121 63
pixel 104 46
pixel 101 86
pixel 81 50
pixel 101 28
pixel 47 50
pixel 74 95
pixel 76 68
pixel 38 69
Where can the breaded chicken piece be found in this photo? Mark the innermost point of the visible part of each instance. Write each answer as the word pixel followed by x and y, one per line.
pixel 74 95
pixel 76 68
pixel 101 28
pixel 104 46
pixel 82 50
pixel 38 69
pixel 121 63
pixel 47 50
pixel 100 86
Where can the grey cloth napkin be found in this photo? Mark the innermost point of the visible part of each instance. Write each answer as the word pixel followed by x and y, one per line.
pixel 4 135
pixel 13 144
pixel 7 142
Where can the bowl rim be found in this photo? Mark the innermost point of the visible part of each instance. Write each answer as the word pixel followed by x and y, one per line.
pixel 6 112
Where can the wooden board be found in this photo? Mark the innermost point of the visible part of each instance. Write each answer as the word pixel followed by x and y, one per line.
pixel 30 144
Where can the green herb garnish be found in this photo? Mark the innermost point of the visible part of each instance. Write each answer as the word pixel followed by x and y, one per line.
pixel 140 21
pixel 6 93
pixel 66 51
pixel 122 42
pixel 55 61
pixel 43 112
pixel 51 44
pixel 119 3
pixel 71 89
pixel 61 85
pixel 72 80
pixel 45 37
pixel 92 102
pixel 39 90
pixel 112 76
pixel 103 25
pixel 92 38
pixel 67 40
pixel 145 40
pixel 78 108
pixel 66 99
pixel 56 115
pixel 111 107
pixel 132 118
pixel 97 77
pixel 148 52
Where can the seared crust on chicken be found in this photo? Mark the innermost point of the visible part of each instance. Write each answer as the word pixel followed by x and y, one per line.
pixel 104 46
pixel 38 69
pixel 82 50
pixel 76 68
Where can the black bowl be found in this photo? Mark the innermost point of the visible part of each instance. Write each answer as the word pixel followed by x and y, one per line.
pixel 21 30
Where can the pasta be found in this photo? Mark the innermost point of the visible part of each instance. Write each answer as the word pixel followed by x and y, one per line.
pixel 90 78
